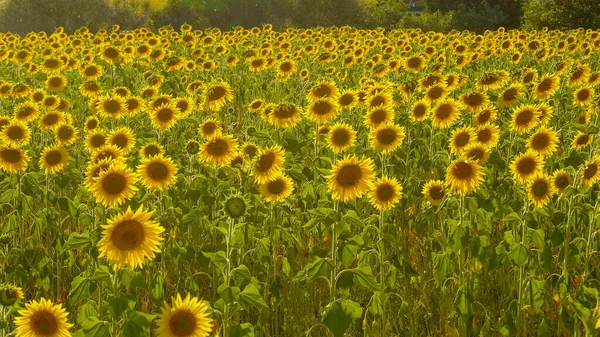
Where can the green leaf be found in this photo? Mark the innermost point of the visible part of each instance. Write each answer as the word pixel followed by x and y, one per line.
pixel 81 288
pixel 118 305
pixel 364 277
pixel 340 315
pixel 9 195
pixel 352 218
pixel 512 217
pixel 518 254
pixel 93 327
pixel 242 330
pixel 137 324
pixel 376 306
pixel 537 290
pixel 102 273
pixel 159 291
pixel 251 296
pixel 318 267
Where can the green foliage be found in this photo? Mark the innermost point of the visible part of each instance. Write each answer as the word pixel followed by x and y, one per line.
pixel 561 14
pixel 436 21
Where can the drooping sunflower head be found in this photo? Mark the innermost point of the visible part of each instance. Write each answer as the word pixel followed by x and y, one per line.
pixel 219 150
pixel 187 317
pixel 540 189
pixel 42 318
pixel 157 172
pixel 464 176
pixel 385 193
pixel 9 294
pixel 387 137
pixel 277 189
pixel 53 159
pixel 129 238
pixel 526 165
pixel 435 192
pixel 350 178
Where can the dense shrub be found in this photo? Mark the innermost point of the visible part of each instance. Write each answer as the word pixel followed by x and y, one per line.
pixel 437 21
pixel 561 14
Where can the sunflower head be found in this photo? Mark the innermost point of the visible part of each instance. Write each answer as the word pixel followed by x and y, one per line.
pixel 9 294
pixel 187 317
pixel 385 193
pixel 435 192
pixel 351 178
pixel 464 176
pixel 235 206
pixel 278 189
pixel 42 318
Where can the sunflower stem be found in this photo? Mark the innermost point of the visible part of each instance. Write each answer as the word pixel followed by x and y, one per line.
pixel 332 293
pixel 381 268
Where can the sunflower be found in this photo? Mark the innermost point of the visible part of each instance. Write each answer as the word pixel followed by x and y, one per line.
pixel 16 133
pixel 561 180
pixel 476 152
pixel 129 238
pixel 525 118
pixel 112 107
pixel 285 115
pixel 583 96
pixel 510 96
pixel 210 128
pixel 93 170
pixel 464 176
pixel 347 99
pixel 250 150
pixel 445 114
pixel 216 95
pixel 385 193
pixel 322 110
pixel 379 99
pixel 591 173
pixel 526 165
pixel 187 317
pixel 219 150
pixel 115 185
pixel 286 68
pixel 165 116
pixel 350 178
pixel 26 112
pixel 123 138
pixel 53 159
pixel 545 113
pixel 56 83
pixel 415 64
pixel 341 137
pixel 278 189
pixel 460 138
pixel 66 134
pixel 493 80
pixel 151 149
pixel 9 294
pixel 95 140
pixel 111 54
pixel 434 191
pixel 134 105
pixel 91 72
pixel 268 164
pixel 579 75
pixel 544 141
pixel 582 140
pixel 107 152
pixel 51 120
pixel 474 101
pixel 547 87
pixel 256 104
pixel 387 137
pixel 157 172
pixel 435 93
pixel 13 159
pixel 42 319
pixel 324 89
pixel 540 190
pixel 419 111
pixel 381 115
pixel 488 135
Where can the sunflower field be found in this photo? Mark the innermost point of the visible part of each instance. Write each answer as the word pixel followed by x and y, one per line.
pixel 306 182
